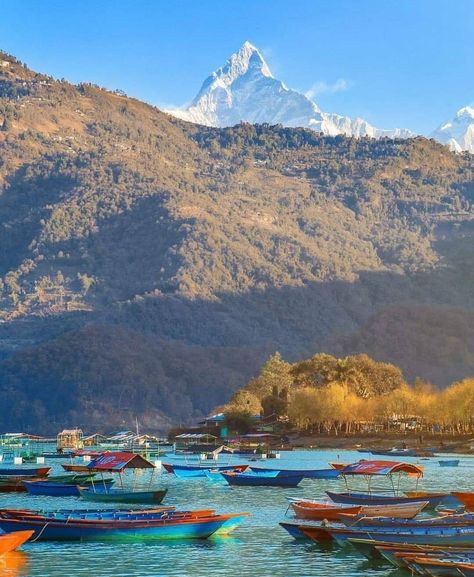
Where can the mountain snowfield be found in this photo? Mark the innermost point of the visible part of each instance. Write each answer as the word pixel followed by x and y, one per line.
pixel 458 133
pixel 244 90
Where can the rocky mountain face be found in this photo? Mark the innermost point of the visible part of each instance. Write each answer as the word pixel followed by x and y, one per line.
pixel 458 133
pixel 148 266
pixel 244 90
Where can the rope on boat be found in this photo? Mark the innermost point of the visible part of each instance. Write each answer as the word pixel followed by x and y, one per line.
pixel 39 534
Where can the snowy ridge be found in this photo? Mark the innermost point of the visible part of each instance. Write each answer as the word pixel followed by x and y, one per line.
pixel 244 90
pixel 458 133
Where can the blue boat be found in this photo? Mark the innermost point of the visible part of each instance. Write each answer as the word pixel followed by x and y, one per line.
pixel 112 495
pixel 449 463
pixel 294 529
pixel 306 473
pixel 372 499
pixel 264 479
pixel 21 471
pixel 146 528
pixel 199 471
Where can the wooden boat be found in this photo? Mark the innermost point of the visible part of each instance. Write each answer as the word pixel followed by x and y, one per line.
pixel 449 463
pixel 467 499
pixel 193 471
pixel 429 566
pixel 362 521
pixel 12 541
pixel 75 479
pixel 24 471
pixel 389 551
pixel 306 473
pixel 401 511
pixel 294 529
pixel 148 528
pixel 51 489
pixel 338 466
pixel 321 511
pixel 106 495
pixel 445 536
pixel 75 468
pixel 353 498
pixel 262 480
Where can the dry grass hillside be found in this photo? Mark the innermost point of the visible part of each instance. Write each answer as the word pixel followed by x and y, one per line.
pixel 148 266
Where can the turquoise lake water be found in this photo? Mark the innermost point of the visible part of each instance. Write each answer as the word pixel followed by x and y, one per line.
pixel 259 547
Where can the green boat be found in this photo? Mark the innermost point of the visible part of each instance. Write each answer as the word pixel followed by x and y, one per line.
pixel 107 495
pixel 78 479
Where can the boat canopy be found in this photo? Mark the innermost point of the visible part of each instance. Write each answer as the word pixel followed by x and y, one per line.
pixel 384 468
pixel 118 461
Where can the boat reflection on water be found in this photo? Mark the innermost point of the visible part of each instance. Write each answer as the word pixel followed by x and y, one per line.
pixel 13 564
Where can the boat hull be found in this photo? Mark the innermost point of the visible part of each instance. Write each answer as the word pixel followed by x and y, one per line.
pixel 467 499
pixel 24 471
pixel 47 529
pixel 320 512
pixel 119 496
pixel 12 541
pixel 306 473
pixel 255 480
pixel 368 499
pixel 425 536
pixel 51 489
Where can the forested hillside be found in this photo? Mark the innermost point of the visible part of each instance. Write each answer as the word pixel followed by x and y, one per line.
pixel 149 266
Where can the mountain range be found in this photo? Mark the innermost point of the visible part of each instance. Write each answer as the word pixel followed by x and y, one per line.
pixel 149 266
pixel 244 90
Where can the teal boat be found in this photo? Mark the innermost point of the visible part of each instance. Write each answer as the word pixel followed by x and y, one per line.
pixel 106 495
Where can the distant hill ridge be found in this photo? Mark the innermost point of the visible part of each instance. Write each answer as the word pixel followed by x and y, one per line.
pixel 148 266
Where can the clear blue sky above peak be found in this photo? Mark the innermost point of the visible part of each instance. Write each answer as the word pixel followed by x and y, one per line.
pixel 404 63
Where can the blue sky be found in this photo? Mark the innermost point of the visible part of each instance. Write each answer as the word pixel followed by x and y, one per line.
pixel 406 63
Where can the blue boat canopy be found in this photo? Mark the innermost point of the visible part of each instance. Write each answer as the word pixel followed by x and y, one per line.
pixel 384 468
pixel 118 461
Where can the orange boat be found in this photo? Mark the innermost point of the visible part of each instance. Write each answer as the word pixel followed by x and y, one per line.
pixel 11 541
pixel 321 511
pixel 467 499
pixel 338 466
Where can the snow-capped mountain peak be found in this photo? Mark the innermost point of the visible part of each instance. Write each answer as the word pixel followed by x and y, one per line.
pixel 244 89
pixel 458 133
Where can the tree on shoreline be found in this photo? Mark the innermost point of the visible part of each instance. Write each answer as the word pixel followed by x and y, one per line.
pixel 326 394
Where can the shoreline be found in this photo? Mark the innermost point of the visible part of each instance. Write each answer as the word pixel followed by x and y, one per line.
pixel 462 444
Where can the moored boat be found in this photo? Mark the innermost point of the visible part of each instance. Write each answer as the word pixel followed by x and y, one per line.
pixel 449 463
pixel 306 473
pixel 199 471
pixel 11 541
pixel 399 510
pixel 445 536
pixel 321 511
pixel 467 499
pixel 353 498
pixel 20 471
pixel 117 495
pixel 265 479
pixel 149 527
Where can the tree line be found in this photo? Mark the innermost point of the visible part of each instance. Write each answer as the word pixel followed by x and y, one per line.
pixel 326 394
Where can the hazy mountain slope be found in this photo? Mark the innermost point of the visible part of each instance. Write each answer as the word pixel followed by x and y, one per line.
pixel 158 262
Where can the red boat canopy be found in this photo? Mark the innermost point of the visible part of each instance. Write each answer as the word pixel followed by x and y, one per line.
pixel 119 461
pixel 381 468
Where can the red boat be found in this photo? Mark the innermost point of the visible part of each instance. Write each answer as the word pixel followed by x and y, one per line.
pixel 467 499
pixel 11 541
pixel 321 511
pixel 15 484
